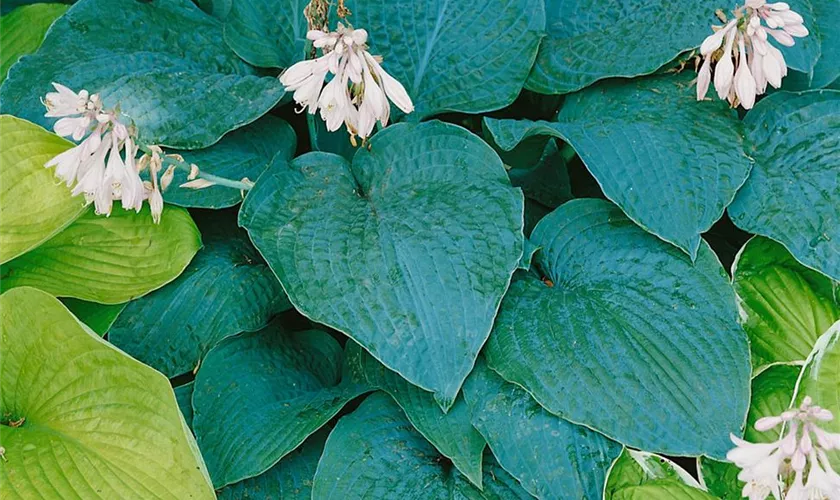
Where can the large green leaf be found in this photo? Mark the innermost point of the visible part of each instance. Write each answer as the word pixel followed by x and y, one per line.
pixel 451 433
pixel 22 31
pixel 289 479
pixel 267 33
pixel 772 392
pixel 259 395
pixel 164 63
pixel 80 419
pixel 627 336
pixel 791 195
pixel 671 163
pixel 245 152
pixel 589 40
pixel 376 453
pixel 638 468
pixel 98 317
pixel 33 205
pixel 551 457
pixel 454 55
pixel 109 259
pixel 785 305
pixel 408 249
pixel 225 290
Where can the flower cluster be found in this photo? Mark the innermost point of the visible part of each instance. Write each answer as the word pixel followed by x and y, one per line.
pixel 96 166
pixel 746 60
pixel 800 452
pixel 358 93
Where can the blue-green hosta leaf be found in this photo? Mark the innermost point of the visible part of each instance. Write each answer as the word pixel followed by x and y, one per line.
pixel 454 55
pixel 637 468
pixel 786 306
pixel 451 433
pixel 627 335
pixel 163 62
pixel 289 479
pixel 225 290
pixel 671 163
pixel 90 422
pixel 34 206
pixel 827 30
pixel 408 249
pixel 772 392
pixel 551 457
pixel 267 33
pixel 245 152
pixel 22 31
pixel 259 395
pixel 589 40
pixel 183 394
pixel 109 260
pixel 791 195
pixel 216 8
pixel 376 453
pixel 546 180
pixel 98 317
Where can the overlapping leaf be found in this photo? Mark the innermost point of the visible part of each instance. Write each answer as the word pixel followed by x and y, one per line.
pixel 156 60
pixel 786 305
pixel 225 290
pixel 641 476
pixel 820 380
pixel 408 250
pixel 259 395
pixel 626 335
pixel 109 260
pixel 672 164
pixel 98 317
pixel 22 31
pixel 791 195
pixel 83 420
pixel 551 457
pixel 33 205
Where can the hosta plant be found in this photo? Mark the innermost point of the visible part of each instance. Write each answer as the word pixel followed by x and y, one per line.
pixel 492 249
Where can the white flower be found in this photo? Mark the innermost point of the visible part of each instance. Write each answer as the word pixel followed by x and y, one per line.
pixel 744 81
pixel 358 92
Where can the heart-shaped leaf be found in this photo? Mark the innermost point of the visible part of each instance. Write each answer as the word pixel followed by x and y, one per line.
pixel 259 395
pixel 791 195
pixel 22 31
pixel 109 259
pixel 451 433
pixel 33 206
pixel 80 419
pixel 152 59
pixel 624 334
pixel 408 249
pixel 672 164
pixel 551 457
pixel 243 153
pixel 225 290
pixel 376 453
pixel 786 305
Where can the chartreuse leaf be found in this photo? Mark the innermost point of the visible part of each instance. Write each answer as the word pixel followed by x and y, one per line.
pixel 626 335
pixel 109 260
pixel 786 306
pixel 657 475
pixel 589 40
pixel 80 419
pixel 444 55
pixel 791 195
pixel 376 453
pixel 164 63
pixel 290 478
pixel 820 380
pixel 267 33
pixel 98 317
pixel 672 164
pixel 259 395
pixel 772 392
pixel 226 289
pixel 243 153
pixel 33 205
pixel 22 31
pixel 408 249
pixel 451 433
pixel 551 457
